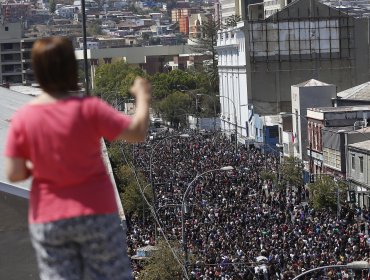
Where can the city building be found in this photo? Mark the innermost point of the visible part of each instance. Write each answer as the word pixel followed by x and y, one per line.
pixel 273 6
pixel 15 55
pixel 256 11
pixel 358 95
pixel 259 60
pixel 188 61
pixel 14 11
pixel 184 25
pixel 228 9
pixel 177 14
pixel 359 171
pixel 330 131
pixel 196 22
pixel 305 95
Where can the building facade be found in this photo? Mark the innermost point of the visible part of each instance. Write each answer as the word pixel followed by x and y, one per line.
pixel 273 6
pixel 196 22
pixel 311 93
pixel 330 131
pixel 359 172
pixel 15 55
pixel 259 60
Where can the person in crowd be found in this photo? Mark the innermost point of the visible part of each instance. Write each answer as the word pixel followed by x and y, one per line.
pixel 56 139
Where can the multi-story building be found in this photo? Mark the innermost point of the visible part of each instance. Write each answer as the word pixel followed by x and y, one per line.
pixel 239 8
pixel 358 95
pixel 15 55
pixel 330 131
pixel 14 11
pixel 259 60
pixel 196 22
pixel 229 8
pixel 177 14
pixel 359 171
pixel 273 6
pixel 184 25
pixel 305 95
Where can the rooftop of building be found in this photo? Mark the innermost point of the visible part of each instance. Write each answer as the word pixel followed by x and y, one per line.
pixel 11 101
pixel 28 90
pixel 312 83
pixel 347 129
pixel 340 109
pixel 360 92
pixel 364 145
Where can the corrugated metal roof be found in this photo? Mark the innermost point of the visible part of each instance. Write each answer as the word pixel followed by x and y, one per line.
pixel 364 145
pixel 340 109
pixel 360 92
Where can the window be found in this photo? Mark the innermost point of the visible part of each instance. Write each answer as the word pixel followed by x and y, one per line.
pixel 361 165
pixel 6 28
pixel 332 158
pixel 353 159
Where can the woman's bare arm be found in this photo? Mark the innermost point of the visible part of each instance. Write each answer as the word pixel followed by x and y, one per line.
pixel 138 129
pixel 17 169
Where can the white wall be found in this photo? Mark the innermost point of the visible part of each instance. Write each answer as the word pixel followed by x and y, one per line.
pixel 233 80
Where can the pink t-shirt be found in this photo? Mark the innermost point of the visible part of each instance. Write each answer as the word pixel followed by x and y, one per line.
pixel 62 140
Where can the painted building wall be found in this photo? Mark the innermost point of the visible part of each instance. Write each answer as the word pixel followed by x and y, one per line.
pixel 303 41
pixel 305 96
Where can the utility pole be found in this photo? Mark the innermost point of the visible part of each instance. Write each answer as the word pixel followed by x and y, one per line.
pixel 86 66
pixel 197 112
pixel 338 201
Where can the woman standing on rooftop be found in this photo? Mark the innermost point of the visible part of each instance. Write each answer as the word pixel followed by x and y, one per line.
pixel 73 219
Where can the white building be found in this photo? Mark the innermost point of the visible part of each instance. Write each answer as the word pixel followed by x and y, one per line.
pixel 233 81
pixel 273 6
pixel 259 60
pixel 305 95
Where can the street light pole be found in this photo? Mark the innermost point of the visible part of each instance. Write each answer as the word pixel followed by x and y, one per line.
pixel 183 233
pixel 357 265
pixel 235 120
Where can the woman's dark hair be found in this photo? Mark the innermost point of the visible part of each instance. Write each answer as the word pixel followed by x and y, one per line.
pixel 55 66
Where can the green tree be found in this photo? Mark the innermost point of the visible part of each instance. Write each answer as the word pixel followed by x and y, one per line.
pixel 171 106
pixel 116 77
pixel 52 6
pixel 115 153
pixel 267 175
pixel 291 171
pixel 232 21
pixel 94 28
pixel 324 193
pixel 164 84
pixel 206 44
pixel 132 198
pixel 163 265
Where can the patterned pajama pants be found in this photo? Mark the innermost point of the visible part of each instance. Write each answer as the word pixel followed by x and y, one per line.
pixel 86 247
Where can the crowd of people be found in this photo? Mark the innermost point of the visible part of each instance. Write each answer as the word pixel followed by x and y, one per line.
pixel 237 224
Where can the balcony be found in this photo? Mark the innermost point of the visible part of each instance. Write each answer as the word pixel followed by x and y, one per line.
pixel 10 62
pixel 10 51
pixel 27 71
pixel 11 72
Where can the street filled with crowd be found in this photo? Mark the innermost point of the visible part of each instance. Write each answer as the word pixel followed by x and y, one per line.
pixel 237 224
